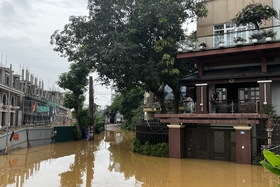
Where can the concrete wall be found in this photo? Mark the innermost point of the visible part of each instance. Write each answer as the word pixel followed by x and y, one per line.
pixel 26 138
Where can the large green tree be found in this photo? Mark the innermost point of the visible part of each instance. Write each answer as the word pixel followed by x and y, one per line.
pixel 75 82
pixel 133 43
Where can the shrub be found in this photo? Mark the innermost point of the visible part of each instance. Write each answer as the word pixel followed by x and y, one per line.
pixel 158 150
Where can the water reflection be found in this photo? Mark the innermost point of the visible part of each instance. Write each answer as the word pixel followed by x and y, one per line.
pixel 107 161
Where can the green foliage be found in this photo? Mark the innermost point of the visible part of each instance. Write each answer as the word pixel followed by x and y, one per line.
pixel 100 116
pixel 158 150
pixel 133 43
pixel 257 36
pixel 136 145
pixel 239 39
pixel 254 13
pixel 70 101
pixel 75 81
pixel 269 33
pixel 270 110
pixel 99 127
pixel 84 118
pixel 272 162
pixel 192 39
pixel 77 134
pixel 129 104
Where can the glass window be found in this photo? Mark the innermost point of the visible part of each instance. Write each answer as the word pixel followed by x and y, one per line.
pixel 228 31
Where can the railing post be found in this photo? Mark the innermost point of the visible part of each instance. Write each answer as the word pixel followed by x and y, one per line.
pixel 257 104
pixel 232 107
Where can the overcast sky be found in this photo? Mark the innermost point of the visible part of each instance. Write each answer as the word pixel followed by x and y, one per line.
pixel 25 30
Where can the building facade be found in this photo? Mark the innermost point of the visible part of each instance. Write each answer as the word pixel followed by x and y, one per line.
pixel 247 79
pixel 24 102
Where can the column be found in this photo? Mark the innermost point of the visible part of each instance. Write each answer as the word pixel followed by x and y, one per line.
pixel 265 93
pixel 243 144
pixel 201 100
pixel 176 140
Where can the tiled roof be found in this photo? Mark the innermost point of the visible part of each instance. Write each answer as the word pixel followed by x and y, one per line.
pixel 242 72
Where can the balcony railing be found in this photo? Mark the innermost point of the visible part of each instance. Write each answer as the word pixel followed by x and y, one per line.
pixel 230 106
pixel 233 106
pixel 227 39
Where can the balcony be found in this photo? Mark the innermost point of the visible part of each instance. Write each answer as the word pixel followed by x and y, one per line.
pixel 229 107
pixel 226 40
pixel 227 112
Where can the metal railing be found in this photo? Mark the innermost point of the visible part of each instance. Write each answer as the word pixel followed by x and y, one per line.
pixel 229 106
pixel 226 39
pixel 237 106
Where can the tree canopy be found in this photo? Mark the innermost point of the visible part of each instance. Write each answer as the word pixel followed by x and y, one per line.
pixel 133 43
pixel 75 82
pixel 254 13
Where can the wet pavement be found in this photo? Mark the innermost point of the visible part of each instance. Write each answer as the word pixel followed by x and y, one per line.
pixel 108 162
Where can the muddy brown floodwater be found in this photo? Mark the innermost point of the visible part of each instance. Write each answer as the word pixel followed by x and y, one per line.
pixel 107 162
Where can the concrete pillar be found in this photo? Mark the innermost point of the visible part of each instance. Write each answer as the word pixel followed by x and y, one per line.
pixel 265 93
pixel 26 75
pixel 243 144
pixel 202 99
pixel 176 140
pixel 22 74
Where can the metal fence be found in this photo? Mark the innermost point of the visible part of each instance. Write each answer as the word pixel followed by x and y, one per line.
pixel 264 138
pixel 152 131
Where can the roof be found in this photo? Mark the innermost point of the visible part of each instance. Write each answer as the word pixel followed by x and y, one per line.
pixel 241 72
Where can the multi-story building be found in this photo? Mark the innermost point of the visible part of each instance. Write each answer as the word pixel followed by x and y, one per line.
pixel 247 78
pixel 24 102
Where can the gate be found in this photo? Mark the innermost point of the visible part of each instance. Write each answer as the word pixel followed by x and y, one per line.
pixel 210 143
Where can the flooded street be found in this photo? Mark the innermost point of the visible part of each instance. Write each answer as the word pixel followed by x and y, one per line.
pixel 107 162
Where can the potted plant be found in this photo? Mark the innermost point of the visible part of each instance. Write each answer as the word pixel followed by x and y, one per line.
pixel 254 13
pixel 239 40
pixel 221 43
pixel 202 45
pixel 256 37
pixel 269 34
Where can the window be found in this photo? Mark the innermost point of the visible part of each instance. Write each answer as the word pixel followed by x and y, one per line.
pixel 249 94
pixel 226 33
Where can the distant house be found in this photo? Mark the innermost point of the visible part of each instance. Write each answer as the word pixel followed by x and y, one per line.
pixel 30 104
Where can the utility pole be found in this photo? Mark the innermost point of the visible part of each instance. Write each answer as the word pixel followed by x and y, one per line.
pixel 91 108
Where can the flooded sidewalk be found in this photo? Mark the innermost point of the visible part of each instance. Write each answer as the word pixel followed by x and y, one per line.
pixel 108 162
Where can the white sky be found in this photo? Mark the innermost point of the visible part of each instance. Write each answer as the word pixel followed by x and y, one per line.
pixel 25 30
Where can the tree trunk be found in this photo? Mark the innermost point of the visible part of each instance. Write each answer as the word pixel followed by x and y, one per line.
pixel 256 25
